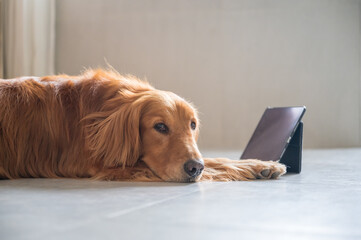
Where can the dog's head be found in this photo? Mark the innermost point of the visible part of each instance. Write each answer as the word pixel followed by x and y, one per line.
pixel 154 126
pixel 169 130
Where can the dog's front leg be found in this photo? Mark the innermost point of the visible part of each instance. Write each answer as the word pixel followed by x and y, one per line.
pixel 223 169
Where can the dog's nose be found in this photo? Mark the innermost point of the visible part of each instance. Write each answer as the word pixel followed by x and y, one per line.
pixel 193 168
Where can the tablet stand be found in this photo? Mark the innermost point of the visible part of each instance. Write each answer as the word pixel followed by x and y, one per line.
pixel 293 154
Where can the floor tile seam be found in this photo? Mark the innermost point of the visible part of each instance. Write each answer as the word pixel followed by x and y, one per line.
pixel 124 212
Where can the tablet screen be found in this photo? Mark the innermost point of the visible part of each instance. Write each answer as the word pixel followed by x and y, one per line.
pixel 273 132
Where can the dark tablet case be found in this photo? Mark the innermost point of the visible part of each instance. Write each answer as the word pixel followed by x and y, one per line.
pixel 293 154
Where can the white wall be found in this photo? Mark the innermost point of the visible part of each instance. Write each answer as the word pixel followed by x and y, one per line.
pixel 231 58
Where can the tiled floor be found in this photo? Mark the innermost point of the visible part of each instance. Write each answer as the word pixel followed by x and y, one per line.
pixel 323 202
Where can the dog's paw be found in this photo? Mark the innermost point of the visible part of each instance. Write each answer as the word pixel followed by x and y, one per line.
pixel 268 169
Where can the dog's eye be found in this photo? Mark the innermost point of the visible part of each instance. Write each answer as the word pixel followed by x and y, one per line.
pixel 161 127
pixel 193 125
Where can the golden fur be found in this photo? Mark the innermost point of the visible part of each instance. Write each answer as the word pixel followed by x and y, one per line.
pixel 100 125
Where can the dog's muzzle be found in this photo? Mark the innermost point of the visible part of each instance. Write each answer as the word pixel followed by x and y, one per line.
pixel 193 168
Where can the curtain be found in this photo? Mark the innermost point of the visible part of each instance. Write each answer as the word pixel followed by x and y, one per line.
pixel 1 40
pixel 28 37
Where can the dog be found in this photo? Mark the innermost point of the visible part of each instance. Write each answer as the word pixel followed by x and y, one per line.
pixel 106 126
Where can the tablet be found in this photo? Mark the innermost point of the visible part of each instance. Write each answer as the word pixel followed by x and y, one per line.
pixel 273 133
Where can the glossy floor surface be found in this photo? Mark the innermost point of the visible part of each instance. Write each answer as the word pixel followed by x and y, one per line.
pixel 323 202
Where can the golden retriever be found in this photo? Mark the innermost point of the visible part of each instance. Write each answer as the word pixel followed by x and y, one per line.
pixel 103 125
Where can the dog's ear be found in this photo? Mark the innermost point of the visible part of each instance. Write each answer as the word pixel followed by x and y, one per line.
pixel 114 136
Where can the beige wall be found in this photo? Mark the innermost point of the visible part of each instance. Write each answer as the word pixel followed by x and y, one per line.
pixel 231 58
